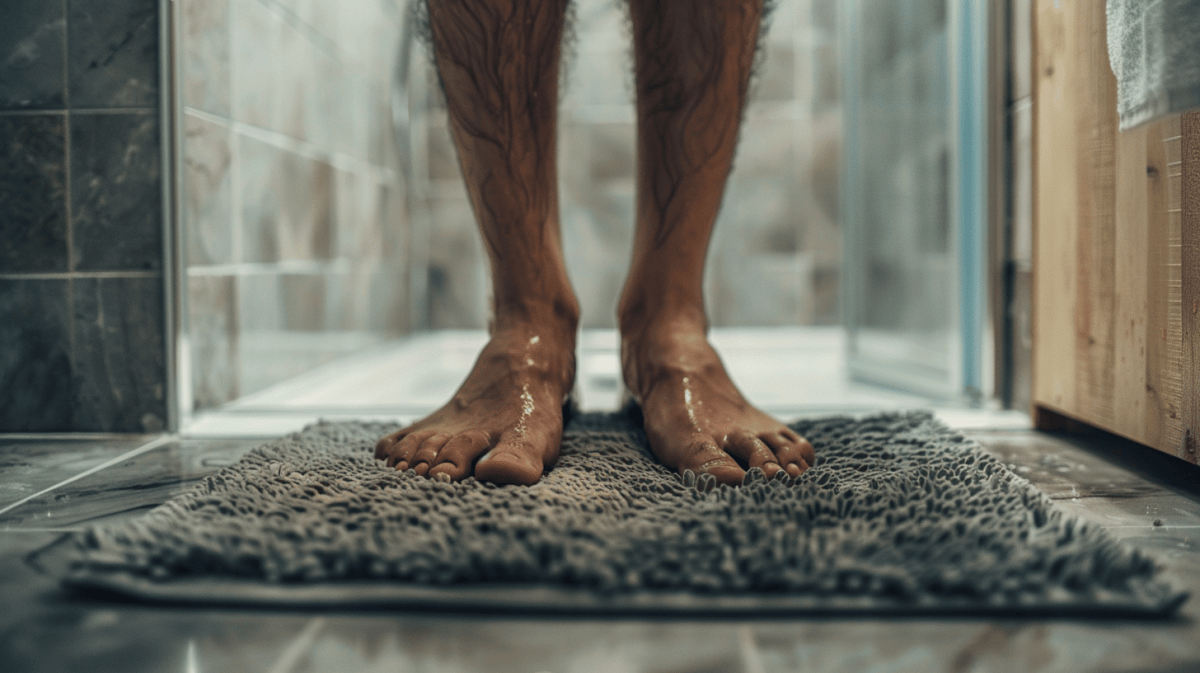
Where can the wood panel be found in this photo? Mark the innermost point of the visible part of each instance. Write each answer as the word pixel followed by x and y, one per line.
pixel 1114 266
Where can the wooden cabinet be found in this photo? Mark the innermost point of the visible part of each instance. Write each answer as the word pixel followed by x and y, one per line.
pixel 1116 290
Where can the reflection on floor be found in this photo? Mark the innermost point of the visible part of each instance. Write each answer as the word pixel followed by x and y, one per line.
pixel 52 485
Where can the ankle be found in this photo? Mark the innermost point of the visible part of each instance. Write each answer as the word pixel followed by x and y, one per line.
pixel 645 316
pixel 556 320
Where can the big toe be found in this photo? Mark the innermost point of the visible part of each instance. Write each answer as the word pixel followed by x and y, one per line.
pixel 505 466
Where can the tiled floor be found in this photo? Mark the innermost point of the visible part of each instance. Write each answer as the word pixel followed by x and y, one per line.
pixel 52 485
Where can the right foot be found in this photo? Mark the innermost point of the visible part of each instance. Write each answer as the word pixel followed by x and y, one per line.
pixel 505 423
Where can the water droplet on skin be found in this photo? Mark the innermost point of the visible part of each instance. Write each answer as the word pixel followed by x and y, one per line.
pixel 534 340
pixel 526 411
pixel 687 403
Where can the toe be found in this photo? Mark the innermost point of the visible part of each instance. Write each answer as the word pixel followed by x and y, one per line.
pixel 457 456
pixel 705 457
pixel 423 458
pixel 383 448
pixel 508 465
pixel 794 452
pixel 755 453
pixel 402 452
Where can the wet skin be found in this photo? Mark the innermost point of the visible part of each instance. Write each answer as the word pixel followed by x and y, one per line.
pixel 498 61
pixel 504 424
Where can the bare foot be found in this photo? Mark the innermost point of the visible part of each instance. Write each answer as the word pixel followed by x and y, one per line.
pixel 694 416
pixel 505 423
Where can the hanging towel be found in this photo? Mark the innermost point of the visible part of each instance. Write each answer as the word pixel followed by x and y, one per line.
pixel 1154 50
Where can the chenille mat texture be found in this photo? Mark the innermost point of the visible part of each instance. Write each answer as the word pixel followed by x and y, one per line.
pixel 899 515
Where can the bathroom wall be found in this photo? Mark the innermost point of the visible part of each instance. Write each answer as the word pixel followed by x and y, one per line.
pixel 81 275
pixel 293 207
pixel 776 253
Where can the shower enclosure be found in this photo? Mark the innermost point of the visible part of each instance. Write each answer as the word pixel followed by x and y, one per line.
pixel 915 198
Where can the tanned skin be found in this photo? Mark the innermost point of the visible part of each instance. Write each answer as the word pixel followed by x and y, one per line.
pixel 498 61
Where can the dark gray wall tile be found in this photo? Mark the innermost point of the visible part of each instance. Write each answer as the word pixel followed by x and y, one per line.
pixel 116 198
pixel 213 334
pixel 31 55
pixel 113 53
pixel 35 361
pixel 119 354
pixel 206 66
pixel 207 192
pixel 33 201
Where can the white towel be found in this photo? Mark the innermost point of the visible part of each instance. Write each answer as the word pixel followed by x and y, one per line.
pixel 1154 50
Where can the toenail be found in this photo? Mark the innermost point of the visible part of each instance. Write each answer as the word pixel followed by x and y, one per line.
pixel 442 477
pixel 770 465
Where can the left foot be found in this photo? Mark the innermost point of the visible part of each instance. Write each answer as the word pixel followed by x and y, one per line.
pixel 694 417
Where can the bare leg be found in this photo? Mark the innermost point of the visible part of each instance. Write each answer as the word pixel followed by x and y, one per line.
pixel 498 60
pixel 693 63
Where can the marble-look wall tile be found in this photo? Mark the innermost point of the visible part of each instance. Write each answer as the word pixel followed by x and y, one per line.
pixel 213 335
pixel 259 306
pixel 206 65
pixel 775 75
pixel 33 197
pixel 767 147
pixel 347 298
pixel 371 297
pixel 352 107
pixel 764 290
pixel 394 225
pixel 613 150
pixel 116 197
pixel 458 269
pixel 387 299
pixel 255 34
pixel 443 160
pixel 287 204
pixel 120 377
pixel 297 85
pixel 359 203
pixel 31 56
pixel 597 243
pixel 302 297
pixel 35 356
pixel 113 53
pixel 207 192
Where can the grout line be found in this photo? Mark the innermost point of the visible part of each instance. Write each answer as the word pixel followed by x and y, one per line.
pixel 114 110
pixel 64 436
pixel 294 266
pixel 69 193
pixel 145 448
pixel 291 655
pixel 8 529
pixel 70 275
pixel 31 113
pixel 305 148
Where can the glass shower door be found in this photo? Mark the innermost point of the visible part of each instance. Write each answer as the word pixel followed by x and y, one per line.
pixel 915 266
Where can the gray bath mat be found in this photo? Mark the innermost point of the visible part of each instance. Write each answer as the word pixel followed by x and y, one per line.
pixel 900 515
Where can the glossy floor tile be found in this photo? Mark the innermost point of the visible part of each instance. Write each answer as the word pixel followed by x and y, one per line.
pixel 30 464
pixel 1149 500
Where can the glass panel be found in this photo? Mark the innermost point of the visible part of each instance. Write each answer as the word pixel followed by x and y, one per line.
pixel 909 321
